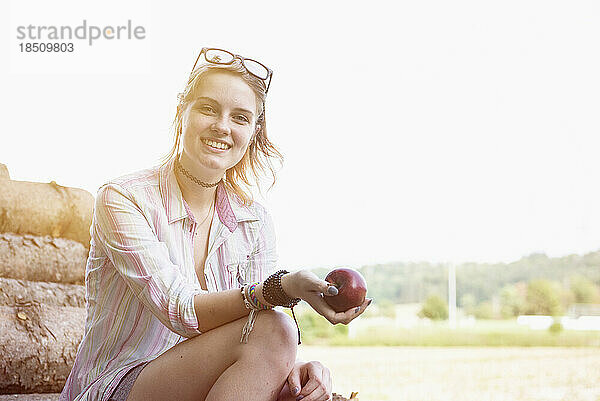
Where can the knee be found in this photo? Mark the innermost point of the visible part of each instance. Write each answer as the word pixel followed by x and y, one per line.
pixel 279 332
pixel 273 341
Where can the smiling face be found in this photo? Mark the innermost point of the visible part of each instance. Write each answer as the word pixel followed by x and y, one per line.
pixel 218 123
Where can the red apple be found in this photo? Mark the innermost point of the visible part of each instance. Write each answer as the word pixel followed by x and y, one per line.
pixel 352 289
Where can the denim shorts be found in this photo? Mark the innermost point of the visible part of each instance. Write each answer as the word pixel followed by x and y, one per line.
pixel 126 383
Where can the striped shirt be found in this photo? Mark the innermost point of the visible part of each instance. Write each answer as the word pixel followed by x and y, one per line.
pixel 140 277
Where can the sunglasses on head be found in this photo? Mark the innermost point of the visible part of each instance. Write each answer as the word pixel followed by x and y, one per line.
pixel 220 56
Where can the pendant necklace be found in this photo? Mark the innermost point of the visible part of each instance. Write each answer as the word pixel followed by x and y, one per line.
pixel 208 214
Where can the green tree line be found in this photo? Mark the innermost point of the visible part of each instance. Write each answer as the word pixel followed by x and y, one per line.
pixel 536 297
pixel 536 284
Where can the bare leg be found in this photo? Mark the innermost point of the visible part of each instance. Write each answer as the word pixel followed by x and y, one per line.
pixel 216 366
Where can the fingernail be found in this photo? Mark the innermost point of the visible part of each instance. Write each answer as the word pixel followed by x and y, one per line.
pixel 299 397
pixel 295 390
pixel 357 309
pixel 370 300
pixel 332 290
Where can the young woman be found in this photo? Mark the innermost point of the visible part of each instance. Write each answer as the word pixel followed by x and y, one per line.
pixel 180 279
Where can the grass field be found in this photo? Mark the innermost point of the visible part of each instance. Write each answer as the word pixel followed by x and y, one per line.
pixel 492 333
pixel 484 333
pixel 462 373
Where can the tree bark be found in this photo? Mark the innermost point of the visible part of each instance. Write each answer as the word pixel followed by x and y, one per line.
pixel 13 292
pixel 36 258
pixel 42 325
pixel 46 209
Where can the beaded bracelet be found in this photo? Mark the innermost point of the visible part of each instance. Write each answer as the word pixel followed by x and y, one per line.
pixel 273 293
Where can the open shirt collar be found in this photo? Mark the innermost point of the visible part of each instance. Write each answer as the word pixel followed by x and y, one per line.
pixel 230 212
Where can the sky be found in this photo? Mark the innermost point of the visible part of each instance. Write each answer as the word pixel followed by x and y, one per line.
pixel 412 131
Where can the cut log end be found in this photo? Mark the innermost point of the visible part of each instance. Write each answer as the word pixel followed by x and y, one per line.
pixel 4 172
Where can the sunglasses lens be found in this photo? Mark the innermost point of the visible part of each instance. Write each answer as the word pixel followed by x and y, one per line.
pixel 218 56
pixel 256 69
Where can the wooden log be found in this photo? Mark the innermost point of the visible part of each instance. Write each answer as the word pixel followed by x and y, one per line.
pixel 46 209
pixel 42 325
pixel 21 292
pixel 4 172
pixel 37 258
pixel 38 346
pixel 30 397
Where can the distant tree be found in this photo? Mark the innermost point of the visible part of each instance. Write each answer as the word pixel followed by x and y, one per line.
pixel 566 297
pixel 434 308
pixel 468 303
pixel 556 328
pixel 512 300
pixel 543 298
pixel 484 310
pixel 584 290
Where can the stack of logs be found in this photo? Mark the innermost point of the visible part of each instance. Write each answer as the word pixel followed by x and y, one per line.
pixel 44 244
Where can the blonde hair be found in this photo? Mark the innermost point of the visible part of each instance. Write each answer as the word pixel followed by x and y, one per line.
pixel 260 150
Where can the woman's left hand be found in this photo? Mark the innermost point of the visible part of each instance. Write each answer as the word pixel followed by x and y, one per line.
pixel 312 379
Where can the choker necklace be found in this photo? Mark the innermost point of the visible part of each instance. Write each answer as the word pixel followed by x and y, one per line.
pixel 191 177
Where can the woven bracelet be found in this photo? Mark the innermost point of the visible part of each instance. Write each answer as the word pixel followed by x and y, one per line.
pixel 252 303
pixel 251 295
pixel 250 299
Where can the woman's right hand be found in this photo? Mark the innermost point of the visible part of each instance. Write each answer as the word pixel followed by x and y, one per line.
pixel 306 285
